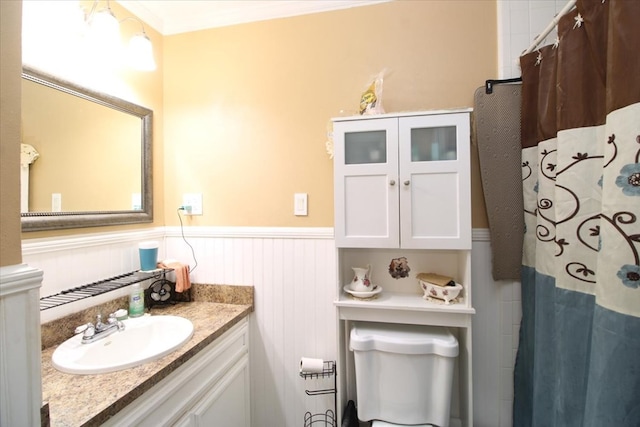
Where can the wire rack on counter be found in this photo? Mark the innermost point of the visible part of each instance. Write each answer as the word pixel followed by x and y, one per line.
pixel 99 287
pixel 329 417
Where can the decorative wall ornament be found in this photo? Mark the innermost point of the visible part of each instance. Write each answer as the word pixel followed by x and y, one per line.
pixel 399 268
pixel 28 154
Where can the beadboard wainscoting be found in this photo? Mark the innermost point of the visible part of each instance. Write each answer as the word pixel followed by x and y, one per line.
pixel 293 271
pixel 77 260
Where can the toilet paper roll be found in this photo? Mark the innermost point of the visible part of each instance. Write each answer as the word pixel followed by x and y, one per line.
pixel 309 365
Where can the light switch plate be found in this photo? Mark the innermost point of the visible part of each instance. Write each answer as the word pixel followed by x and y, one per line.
pixel 300 204
pixel 193 200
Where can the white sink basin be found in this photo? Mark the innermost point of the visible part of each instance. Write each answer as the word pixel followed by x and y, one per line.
pixel 144 339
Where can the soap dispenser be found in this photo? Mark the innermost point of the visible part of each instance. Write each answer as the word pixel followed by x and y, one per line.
pixel 136 301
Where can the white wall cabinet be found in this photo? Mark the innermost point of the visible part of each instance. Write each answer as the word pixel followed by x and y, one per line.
pixel 402 190
pixel 402 181
pixel 212 388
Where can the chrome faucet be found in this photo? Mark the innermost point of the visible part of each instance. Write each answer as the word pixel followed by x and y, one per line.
pixel 100 330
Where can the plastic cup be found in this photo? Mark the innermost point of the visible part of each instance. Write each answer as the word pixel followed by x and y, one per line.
pixel 148 255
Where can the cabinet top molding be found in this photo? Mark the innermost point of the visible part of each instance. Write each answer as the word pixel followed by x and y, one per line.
pixel 402 114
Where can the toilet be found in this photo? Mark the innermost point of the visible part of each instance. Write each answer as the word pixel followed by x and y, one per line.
pixel 404 373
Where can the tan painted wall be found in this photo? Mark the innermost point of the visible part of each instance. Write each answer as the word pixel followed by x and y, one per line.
pixel 247 106
pixel 244 110
pixel 10 69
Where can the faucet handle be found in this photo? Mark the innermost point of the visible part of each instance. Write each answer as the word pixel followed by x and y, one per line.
pixel 113 320
pixel 88 329
pixel 81 328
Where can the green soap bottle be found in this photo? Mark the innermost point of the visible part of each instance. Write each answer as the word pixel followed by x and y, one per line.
pixel 136 301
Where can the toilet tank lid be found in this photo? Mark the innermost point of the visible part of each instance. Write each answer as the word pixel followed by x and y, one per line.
pixel 403 339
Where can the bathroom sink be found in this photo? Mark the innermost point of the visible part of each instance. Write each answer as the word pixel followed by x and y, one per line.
pixel 144 339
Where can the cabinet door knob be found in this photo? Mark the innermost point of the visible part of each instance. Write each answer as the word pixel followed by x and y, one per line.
pixel 407 182
pixel 392 182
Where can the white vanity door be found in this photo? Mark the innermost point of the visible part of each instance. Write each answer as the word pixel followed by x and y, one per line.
pixel 225 405
pixel 435 198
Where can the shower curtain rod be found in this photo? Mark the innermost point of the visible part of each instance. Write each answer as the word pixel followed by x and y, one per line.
pixel 566 9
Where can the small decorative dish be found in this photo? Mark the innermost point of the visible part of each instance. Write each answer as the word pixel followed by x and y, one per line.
pixel 445 293
pixel 376 290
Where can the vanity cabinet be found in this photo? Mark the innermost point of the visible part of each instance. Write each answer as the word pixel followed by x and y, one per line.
pixel 226 404
pixel 402 181
pixel 212 388
pixel 402 195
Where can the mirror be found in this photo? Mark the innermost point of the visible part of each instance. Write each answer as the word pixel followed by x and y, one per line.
pixel 86 156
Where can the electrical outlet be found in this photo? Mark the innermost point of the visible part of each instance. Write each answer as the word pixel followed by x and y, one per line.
pixel 56 202
pixel 193 201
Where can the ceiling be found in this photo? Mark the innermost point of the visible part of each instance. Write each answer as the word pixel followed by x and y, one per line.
pixel 181 16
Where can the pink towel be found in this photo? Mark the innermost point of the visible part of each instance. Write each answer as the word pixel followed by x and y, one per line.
pixel 183 283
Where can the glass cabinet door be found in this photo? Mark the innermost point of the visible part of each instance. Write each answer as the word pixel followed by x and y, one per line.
pixel 365 147
pixel 434 179
pixel 366 182
pixel 433 144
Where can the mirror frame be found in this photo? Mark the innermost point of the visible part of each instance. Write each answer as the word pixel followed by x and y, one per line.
pixel 38 221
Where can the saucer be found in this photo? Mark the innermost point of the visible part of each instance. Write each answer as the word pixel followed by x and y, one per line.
pixel 376 290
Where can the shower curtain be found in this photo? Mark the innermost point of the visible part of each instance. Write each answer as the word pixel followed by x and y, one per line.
pixel 578 361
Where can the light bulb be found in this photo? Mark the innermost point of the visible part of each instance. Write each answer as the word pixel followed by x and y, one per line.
pixel 140 53
pixel 104 39
pixel 104 28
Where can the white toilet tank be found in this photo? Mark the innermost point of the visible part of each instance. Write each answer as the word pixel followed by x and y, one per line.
pixel 404 373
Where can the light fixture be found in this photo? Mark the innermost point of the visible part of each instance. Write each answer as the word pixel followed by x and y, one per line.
pixel 104 34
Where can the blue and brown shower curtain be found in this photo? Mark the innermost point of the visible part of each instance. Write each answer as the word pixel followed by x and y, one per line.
pixel 578 362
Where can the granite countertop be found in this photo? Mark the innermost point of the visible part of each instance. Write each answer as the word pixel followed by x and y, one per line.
pixel 89 400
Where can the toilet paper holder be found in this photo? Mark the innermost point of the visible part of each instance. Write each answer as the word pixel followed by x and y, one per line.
pixel 309 365
pixel 328 371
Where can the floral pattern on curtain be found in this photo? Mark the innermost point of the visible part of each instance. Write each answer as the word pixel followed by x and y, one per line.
pixel 578 361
